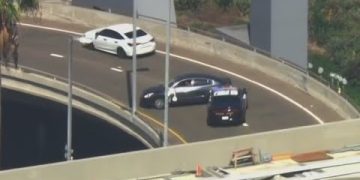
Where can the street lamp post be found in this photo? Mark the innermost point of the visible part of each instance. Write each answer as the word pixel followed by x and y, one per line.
pixel 134 64
pixel 68 147
pixel 332 76
pixel 167 56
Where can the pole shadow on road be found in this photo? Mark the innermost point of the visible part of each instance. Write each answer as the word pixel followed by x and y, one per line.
pixel 129 83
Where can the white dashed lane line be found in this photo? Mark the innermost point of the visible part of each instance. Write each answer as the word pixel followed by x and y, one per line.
pixel 117 69
pixel 56 55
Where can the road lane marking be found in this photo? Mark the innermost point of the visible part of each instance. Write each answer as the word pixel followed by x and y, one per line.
pixel 56 55
pixel 51 29
pixel 118 69
pixel 248 80
pixel 206 65
pixel 76 33
pixel 177 135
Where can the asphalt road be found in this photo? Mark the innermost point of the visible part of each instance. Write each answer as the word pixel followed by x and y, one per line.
pixel 267 111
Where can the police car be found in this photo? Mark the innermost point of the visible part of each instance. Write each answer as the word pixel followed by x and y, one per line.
pixel 227 106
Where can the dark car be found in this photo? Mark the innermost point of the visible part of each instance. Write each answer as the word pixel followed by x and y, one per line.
pixel 184 89
pixel 227 106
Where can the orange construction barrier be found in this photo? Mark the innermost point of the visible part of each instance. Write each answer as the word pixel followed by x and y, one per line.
pixel 281 156
pixel 199 170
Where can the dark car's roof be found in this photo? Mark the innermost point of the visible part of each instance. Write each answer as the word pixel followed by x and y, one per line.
pixel 224 80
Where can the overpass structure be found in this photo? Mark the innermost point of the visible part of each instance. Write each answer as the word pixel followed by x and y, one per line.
pixel 180 161
pixel 184 158
pixel 54 88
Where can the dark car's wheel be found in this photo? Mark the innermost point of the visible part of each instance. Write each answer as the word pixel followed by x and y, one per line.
pixel 120 52
pixel 209 121
pixel 159 103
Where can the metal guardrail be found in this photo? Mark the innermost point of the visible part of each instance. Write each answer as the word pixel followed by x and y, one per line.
pixel 247 46
pixel 242 44
pixel 334 88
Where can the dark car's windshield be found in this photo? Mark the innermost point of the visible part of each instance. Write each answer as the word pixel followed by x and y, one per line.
pixel 139 33
pixel 221 101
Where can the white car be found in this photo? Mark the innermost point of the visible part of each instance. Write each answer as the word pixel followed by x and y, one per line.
pixel 118 39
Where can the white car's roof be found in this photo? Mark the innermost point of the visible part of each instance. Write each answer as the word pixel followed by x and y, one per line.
pixel 123 28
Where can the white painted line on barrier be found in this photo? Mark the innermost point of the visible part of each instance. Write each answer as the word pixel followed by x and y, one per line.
pixel 118 69
pixel 206 65
pixel 251 81
pixel 56 55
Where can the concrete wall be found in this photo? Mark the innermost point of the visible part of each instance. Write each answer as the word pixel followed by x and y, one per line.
pixel 289 30
pixel 85 99
pixel 154 9
pixel 280 27
pixel 186 157
pixel 208 45
pixel 157 9
pixel 260 24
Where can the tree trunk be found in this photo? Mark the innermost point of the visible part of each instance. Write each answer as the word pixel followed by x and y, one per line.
pixel 4 42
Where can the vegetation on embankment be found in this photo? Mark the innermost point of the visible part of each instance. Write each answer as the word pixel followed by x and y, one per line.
pixel 334 33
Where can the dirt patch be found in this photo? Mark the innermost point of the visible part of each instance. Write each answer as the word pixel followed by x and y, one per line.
pixel 210 16
pixel 315 48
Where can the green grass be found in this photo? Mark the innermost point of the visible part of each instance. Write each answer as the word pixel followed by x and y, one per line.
pixel 351 92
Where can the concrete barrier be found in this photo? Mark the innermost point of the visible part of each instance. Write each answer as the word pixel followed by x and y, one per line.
pixel 47 86
pixel 186 157
pixel 207 45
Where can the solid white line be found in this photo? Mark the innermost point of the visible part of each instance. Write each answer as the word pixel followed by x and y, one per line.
pixel 206 65
pixel 248 80
pixel 50 28
pixel 116 69
pixel 56 55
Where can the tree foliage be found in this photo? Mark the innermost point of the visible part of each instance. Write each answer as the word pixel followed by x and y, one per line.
pixel 10 10
pixel 243 6
pixel 335 25
pixel 9 16
pixel 192 5
pixel 224 4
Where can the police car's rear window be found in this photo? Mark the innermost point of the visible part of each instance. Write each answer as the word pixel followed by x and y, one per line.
pixel 226 101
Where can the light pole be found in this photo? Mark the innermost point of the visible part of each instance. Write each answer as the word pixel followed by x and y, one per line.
pixel 332 76
pixel 68 147
pixel 344 82
pixel 339 79
pixel 320 71
pixel 166 99
pixel 134 64
pixel 310 65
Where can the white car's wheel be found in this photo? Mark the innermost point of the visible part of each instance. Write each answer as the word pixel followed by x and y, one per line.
pixel 120 52
pixel 90 46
